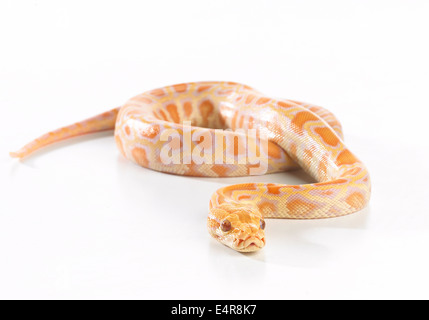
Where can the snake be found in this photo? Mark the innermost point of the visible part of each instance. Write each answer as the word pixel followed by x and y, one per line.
pixel 203 120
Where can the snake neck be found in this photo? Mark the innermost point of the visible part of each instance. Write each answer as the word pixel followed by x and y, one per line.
pixel 342 182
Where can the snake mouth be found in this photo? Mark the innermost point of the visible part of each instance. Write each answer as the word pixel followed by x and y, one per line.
pixel 249 244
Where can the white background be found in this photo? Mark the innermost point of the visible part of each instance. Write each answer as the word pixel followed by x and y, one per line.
pixel 79 221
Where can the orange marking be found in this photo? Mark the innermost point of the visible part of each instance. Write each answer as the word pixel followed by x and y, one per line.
pixel 179 88
pixel 220 170
pixel 355 200
pixel 262 100
pixel 274 151
pixel 300 119
pixel 150 132
pixel 244 197
pixel 172 110
pixel 127 130
pixel 240 122
pixel 239 144
pixel 139 156
pixel 327 136
pixel 187 108
pixel 234 120
pixel 293 149
pixel 345 157
pixel 249 98
pixel 273 189
pixel 163 115
pixel 206 109
pixel 157 92
pixel 203 88
pixel 284 104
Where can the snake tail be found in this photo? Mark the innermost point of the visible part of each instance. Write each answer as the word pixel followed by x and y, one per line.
pixel 102 122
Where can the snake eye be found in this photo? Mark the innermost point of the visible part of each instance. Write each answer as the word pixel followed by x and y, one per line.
pixel 262 224
pixel 225 225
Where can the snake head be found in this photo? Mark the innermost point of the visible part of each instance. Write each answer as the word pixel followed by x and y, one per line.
pixel 238 226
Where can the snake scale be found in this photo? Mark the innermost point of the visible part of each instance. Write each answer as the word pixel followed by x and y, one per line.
pixel 297 134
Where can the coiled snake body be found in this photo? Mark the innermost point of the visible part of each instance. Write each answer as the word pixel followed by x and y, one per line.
pixel 298 134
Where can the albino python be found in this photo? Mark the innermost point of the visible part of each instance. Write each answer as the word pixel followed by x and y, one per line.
pixel 298 134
